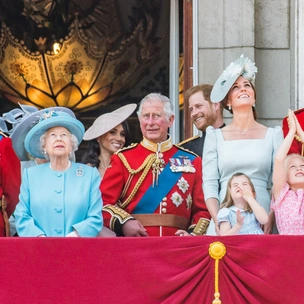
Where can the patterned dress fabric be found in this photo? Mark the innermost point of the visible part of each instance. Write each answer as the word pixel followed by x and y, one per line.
pixel 251 224
pixel 289 211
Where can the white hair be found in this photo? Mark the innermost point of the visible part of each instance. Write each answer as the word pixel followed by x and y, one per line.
pixel 74 141
pixel 152 97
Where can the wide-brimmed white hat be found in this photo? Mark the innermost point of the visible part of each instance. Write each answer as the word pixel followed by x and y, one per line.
pixel 241 67
pixel 106 122
pixel 22 120
pixel 50 119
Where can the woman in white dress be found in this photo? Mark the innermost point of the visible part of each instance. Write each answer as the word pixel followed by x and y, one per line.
pixel 244 145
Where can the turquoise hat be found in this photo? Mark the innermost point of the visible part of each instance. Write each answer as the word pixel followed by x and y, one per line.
pixel 241 67
pixel 50 119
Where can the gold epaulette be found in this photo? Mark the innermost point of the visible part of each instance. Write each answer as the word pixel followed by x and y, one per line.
pixel 127 148
pixel 1 133
pixel 201 227
pixel 118 214
pixel 186 150
pixel 187 140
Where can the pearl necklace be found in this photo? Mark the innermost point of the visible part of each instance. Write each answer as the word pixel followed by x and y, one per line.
pixel 67 167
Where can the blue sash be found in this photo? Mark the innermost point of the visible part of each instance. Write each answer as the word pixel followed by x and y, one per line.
pixel 166 180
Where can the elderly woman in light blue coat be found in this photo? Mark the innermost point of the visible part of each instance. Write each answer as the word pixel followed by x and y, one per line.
pixel 59 198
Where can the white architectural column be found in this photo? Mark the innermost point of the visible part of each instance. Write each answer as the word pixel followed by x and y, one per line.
pixel 174 68
pixel 299 51
pixel 195 131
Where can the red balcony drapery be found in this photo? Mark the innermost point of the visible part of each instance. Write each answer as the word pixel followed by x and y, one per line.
pixel 255 269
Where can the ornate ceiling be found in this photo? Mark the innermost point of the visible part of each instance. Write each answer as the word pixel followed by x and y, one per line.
pixel 101 55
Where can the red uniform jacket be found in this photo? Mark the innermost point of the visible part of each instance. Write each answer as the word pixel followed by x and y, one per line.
pixel 10 178
pixel 189 189
pixel 296 146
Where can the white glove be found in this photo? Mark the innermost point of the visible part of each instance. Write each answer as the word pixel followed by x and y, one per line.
pixel 72 234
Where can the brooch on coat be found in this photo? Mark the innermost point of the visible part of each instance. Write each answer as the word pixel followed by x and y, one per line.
pixel 183 185
pixel 79 172
pixel 176 199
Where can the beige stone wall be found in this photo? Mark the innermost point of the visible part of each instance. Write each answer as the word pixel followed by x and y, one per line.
pixel 263 31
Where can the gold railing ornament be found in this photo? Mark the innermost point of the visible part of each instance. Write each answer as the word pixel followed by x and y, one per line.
pixel 217 250
pixel 79 75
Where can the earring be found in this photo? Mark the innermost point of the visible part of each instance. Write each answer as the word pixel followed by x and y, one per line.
pixel 229 108
pixel 253 105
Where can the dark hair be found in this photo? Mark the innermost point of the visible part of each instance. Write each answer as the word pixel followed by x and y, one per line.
pixel 126 128
pixel 225 100
pixel 93 150
pixel 228 201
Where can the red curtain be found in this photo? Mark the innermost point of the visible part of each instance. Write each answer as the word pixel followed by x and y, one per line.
pixel 255 269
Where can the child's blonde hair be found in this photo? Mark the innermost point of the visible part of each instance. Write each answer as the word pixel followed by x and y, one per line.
pixel 288 157
pixel 228 201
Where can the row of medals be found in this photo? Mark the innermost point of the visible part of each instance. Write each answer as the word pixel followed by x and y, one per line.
pixel 176 165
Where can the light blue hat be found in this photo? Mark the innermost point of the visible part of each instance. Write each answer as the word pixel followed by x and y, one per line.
pixel 22 120
pixel 241 67
pixel 49 119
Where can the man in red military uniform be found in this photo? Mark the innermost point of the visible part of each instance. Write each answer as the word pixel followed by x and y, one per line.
pixel 154 188
pixel 10 179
